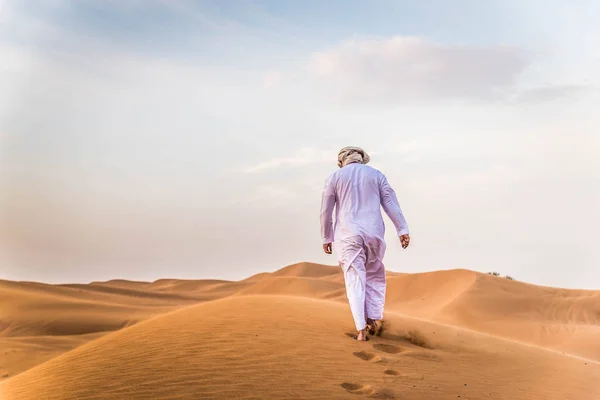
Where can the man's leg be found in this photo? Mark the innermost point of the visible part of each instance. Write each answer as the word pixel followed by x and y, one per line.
pixel 375 290
pixel 375 284
pixel 355 278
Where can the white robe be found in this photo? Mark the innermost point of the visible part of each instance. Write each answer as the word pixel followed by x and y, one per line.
pixel 358 192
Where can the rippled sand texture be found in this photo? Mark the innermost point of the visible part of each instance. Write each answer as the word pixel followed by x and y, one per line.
pixel 448 335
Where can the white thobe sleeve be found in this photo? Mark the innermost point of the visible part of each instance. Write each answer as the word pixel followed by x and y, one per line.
pixel 327 204
pixel 390 205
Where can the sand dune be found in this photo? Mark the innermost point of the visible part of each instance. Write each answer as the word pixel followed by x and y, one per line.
pixel 294 348
pixel 33 309
pixel 283 335
pixel 559 319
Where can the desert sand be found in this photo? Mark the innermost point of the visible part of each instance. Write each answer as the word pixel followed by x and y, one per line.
pixel 449 334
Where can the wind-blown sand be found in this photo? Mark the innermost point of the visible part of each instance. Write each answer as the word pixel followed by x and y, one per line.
pixel 450 334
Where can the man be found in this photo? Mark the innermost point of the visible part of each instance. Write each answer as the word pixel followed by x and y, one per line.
pixel 358 192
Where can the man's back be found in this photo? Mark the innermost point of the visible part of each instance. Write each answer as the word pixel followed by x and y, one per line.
pixel 358 201
pixel 357 192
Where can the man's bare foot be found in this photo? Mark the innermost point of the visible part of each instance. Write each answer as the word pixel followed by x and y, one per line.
pixel 374 327
pixel 361 336
pixel 370 326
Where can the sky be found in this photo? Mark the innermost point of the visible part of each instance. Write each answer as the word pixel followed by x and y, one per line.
pixel 192 139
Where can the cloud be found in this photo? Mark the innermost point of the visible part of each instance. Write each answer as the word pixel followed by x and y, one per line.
pixel 549 93
pixel 412 146
pixel 411 68
pixel 272 78
pixel 268 196
pixel 302 157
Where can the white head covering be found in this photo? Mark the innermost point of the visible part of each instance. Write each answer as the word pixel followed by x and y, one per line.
pixel 350 155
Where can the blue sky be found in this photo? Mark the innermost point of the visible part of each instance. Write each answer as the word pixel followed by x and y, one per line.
pixel 145 139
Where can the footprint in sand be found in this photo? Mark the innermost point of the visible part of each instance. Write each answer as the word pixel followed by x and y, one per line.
pixel 422 356
pixel 356 388
pixel 366 356
pixel 367 390
pixel 363 355
pixel 388 348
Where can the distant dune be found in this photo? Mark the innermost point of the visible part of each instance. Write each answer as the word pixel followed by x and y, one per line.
pixel 450 334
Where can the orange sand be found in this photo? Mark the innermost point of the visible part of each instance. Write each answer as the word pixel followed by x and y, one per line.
pixel 450 334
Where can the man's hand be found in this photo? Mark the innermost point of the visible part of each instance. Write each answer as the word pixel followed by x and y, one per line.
pixel 327 248
pixel 405 240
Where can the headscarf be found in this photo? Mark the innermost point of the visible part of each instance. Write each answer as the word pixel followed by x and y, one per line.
pixel 350 155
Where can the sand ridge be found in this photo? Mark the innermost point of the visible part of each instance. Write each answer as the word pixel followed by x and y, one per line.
pixel 220 339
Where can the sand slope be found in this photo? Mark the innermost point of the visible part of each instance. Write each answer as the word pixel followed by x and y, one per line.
pixel 290 347
pixel 282 335
pixel 563 320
